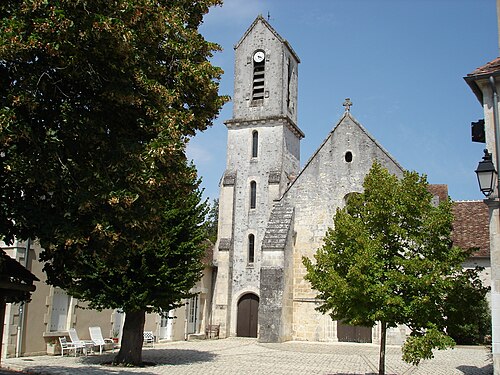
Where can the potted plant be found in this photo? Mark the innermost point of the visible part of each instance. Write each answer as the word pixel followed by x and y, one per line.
pixel 52 348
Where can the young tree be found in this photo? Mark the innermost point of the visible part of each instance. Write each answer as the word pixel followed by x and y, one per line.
pixel 98 100
pixel 390 259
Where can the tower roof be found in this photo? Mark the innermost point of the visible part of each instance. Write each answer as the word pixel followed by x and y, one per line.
pixel 268 25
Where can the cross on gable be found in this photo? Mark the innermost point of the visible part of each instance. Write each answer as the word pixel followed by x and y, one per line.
pixel 347 104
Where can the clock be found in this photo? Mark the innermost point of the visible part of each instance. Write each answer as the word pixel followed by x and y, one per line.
pixel 259 56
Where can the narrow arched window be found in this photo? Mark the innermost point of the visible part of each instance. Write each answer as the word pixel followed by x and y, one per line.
pixel 255 143
pixel 253 194
pixel 251 248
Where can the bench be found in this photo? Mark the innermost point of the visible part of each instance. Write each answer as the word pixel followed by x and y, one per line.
pixel 212 330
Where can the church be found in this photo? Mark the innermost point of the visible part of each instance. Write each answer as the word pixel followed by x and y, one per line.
pixel 272 212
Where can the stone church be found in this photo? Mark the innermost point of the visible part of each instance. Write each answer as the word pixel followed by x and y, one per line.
pixel 272 212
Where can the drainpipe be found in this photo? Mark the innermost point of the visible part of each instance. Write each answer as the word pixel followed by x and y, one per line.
pixel 22 307
pixel 495 122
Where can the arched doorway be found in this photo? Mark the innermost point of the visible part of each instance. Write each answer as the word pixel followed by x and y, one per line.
pixel 248 307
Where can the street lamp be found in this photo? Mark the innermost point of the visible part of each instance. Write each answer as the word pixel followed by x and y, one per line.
pixel 486 174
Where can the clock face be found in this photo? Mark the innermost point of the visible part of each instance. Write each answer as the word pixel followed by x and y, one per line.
pixel 258 56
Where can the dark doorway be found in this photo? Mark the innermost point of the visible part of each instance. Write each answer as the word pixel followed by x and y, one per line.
pixel 347 333
pixel 248 307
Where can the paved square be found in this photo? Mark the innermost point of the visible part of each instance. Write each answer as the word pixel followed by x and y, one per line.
pixel 247 356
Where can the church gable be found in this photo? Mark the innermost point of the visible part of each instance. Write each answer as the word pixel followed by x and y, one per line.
pixel 339 165
pixel 336 169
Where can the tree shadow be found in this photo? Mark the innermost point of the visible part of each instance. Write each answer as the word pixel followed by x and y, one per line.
pixel 100 364
pixel 158 357
pixel 90 370
pixel 473 370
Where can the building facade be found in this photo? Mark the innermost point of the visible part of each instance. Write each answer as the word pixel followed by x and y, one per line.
pixel 34 328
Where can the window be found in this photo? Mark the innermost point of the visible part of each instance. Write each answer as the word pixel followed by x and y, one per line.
pixel 255 143
pixel 253 194
pixel 290 72
pixel 251 248
pixel 348 156
pixel 60 309
pixel 258 78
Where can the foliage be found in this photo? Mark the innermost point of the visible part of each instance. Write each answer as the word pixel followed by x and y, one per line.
pixel 154 275
pixel 213 220
pixel 390 259
pixel 467 311
pixel 418 347
pixel 98 100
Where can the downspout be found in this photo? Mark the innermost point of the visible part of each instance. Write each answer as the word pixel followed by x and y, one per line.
pixel 22 306
pixel 497 132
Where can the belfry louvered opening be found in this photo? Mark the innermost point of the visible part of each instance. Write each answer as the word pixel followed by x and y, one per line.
pixel 258 80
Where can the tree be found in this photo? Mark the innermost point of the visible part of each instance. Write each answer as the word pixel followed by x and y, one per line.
pixel 390 259
pixel 213 220
pixel 98 101
pixel 137 276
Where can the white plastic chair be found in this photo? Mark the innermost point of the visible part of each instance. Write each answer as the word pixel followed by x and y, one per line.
pixel 83 344
pixel 98 340
pixel 67 346
pixel 149 338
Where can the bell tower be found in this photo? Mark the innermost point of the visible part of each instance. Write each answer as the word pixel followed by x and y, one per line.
pixel 263 157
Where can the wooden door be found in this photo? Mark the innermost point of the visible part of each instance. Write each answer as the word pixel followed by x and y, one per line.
pixel 248 307
pixel 348 333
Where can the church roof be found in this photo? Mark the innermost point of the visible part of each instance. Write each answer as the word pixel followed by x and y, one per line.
pixel 278 227
pixel 491 68
pixel 268 25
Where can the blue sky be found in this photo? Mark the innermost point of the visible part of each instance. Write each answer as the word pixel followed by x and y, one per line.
pixel 401 62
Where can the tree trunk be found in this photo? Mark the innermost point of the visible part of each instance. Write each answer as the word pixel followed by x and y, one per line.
pixel 381 363
pixel 130 353
pixel 2 317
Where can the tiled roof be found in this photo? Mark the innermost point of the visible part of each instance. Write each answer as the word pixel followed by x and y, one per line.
pixel 470 224
pixel 471 227
pixel 487 69
pixel 483 72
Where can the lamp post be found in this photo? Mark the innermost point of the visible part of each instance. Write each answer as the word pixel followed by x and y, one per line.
pixel 486 174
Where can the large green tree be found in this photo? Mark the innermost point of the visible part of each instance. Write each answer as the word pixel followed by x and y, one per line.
pixel 98 101
pixel 390 259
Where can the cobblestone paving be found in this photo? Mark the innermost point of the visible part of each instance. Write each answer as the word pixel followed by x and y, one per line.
pixel 246 356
